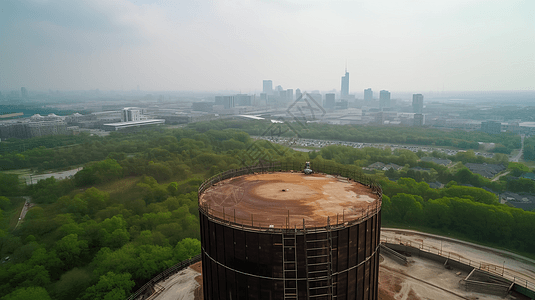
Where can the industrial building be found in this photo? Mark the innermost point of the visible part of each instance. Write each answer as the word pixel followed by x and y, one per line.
pixel 273 234
pixel 35 126
pixel 417 103
pixel 384 99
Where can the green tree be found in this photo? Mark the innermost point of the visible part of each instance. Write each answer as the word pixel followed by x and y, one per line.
pixel 437 213
pixel 5 203
pixel 70 249
pixel 110 286
pixel 71 284
pixel 9 184
pixel 517 169
pixel 99 172
pixel 33 292
pixel 187 248
pixel 407 208
pixel 476 194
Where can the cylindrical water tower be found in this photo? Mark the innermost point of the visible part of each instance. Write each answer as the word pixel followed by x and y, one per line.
pixel 271 233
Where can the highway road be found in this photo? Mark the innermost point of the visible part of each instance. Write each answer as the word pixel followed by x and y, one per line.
pixel 519 155
pixel 27 205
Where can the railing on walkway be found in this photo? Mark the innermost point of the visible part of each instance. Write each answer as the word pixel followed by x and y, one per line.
pixel 164 275
pixel 228 216
pixel 491 268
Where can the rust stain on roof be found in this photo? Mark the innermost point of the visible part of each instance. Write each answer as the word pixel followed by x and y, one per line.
pixel 267 199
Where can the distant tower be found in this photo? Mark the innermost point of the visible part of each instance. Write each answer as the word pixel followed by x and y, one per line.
pixel 384 99
pixel 268 87
pixel 345 85
pixel 297 94
pixel 24 92
pixel 419 120
pixel 368 95
pixel 330 101
pixel 290 95
pixel 417 103
pixel 228 102
pixel 131 114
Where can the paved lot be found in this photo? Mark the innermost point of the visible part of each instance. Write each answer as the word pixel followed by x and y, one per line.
pixel 517 267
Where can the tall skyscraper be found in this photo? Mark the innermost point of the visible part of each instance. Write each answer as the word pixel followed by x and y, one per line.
pixel 384 99
pixel 330 101
pixel 290 95
pixel 268 87
pixel 24 92
pixel 297 93
pixel 417 103
pixel 228 102
pixel 368 95
pixel 243 100
pixel 344 91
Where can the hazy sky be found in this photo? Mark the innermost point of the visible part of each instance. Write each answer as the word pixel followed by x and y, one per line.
pixel 413 46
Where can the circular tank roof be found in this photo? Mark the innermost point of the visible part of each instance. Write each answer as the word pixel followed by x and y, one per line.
pixel 267 199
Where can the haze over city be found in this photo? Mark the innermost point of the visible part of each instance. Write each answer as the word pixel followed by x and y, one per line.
pixel 405 46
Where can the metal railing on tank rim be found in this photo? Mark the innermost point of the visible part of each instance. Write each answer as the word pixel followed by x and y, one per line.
pixel 331 222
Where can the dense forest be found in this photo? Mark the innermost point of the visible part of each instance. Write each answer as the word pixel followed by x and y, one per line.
pixel 38 154
pixel 508 113
pixel 132 211
pixel 505 142
pixel 529 148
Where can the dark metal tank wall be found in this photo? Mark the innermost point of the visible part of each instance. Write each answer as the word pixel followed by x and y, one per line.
pixel 248 263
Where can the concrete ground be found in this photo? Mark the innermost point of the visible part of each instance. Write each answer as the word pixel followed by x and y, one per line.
pixel 27 205
pixel 422 279
pixel 181 286
pixel 517 268
pixel 33 179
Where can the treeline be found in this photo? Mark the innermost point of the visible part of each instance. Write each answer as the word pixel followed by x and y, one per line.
pixel 52 141
pixel 38 154
pixel 505 142
pixel 466 211
pixel 368 155
pixel 529 148
pixel 508 113
pixel 365 156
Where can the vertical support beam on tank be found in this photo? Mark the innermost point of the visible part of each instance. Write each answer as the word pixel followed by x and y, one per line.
pixel 288 222
pixel 306 258
pixel 329 270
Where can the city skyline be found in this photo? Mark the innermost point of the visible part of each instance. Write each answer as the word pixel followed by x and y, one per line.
pixel 212 46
